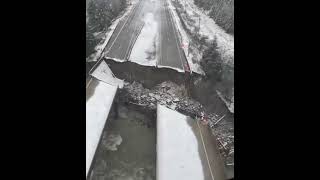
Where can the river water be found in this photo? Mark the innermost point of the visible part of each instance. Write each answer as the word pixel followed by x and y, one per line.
pixel 128 148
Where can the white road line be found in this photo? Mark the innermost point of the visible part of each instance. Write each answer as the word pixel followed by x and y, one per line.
pixel 160 43
pixel 174 32
pixel 122 27
pixel 125 55
pixel 161 29
pixel 166 17
pixel 165 14
pixel 160 39
pixel 132 37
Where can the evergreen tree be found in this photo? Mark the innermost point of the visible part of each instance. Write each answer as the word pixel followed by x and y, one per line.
pixel 211 62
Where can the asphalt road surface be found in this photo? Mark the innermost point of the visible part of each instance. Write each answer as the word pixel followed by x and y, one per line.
pixel 169 52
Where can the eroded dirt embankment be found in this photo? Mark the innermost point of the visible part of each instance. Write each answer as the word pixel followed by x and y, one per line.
pixel 148 76
pixel 196 86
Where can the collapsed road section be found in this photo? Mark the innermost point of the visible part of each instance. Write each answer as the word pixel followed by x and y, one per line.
pixel 146 87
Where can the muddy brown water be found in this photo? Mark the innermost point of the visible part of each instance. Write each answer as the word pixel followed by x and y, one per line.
pixel 131 152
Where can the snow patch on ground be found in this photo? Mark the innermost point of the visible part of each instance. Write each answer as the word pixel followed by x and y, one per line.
pixel 116 59
pixel 144 49
pixel 210 29
pixel 97 110
pixel 194 60
pixel 174 68
pixel 100 47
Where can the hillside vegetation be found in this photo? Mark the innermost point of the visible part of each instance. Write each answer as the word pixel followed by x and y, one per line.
pixel 220 76
pixel 100 14
pixel 222 12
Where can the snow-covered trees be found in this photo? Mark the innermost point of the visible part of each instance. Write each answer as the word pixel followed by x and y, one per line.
pixel 222 11
pixel 211 62
pixel 100 13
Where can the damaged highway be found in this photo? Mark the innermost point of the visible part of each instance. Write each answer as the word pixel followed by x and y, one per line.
pixel 142 58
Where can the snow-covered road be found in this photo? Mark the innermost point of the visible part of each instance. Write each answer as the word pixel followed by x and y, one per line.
pixel 144 50
pixel 148 36
pixel 185 149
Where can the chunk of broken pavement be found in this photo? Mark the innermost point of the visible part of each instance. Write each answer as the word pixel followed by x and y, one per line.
pixel 157 97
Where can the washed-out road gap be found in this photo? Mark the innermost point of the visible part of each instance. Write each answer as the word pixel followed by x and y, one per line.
pixel 147 36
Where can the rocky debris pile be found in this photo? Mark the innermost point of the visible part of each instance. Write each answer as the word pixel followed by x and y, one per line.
pixel 175 97
pixel 225 138
pixel 229 103
pixel 168 94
